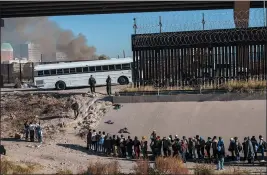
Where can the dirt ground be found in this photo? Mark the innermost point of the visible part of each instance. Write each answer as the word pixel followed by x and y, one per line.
pixel 66 150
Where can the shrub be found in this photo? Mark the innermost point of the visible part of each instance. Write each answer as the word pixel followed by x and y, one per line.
pixel 204 169
pixel 170 165
pixel 9 167
pixel 98 167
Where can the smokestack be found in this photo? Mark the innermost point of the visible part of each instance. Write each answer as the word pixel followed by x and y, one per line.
pixel 50 37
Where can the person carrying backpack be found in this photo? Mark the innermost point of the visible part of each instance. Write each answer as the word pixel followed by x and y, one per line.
pixel 262 147
pixel 221 154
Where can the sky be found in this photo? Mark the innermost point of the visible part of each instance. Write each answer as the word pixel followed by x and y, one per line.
pixel 111 33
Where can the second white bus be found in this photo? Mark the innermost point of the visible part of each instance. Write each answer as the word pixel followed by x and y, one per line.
pixel 76 74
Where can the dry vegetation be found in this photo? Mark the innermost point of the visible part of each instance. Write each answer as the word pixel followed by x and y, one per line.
pixel 231 86
pixel 9 167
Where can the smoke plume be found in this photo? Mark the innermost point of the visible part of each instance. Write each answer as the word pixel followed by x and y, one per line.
pixel 50 37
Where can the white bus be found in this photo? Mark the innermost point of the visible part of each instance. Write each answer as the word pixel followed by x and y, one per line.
pixel 76 74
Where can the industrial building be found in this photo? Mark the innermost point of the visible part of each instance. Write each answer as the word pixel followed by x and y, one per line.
pixel 6 52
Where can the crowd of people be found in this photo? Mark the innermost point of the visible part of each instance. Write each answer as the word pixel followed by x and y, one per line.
pixel 33 132
pixel 194 148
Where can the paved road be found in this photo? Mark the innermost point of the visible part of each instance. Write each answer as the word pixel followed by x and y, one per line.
pixel 100 89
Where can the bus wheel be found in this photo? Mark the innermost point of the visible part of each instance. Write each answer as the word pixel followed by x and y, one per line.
pixel 123 80
pixel 60 85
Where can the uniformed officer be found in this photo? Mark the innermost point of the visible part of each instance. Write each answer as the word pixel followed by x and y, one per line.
pixel 108 81
pixel 92 83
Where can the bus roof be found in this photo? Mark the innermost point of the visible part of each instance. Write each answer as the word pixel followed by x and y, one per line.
pixel 64 65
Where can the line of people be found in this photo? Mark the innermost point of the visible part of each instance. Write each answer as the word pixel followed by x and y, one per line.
pixel 195 148
pixel 33 131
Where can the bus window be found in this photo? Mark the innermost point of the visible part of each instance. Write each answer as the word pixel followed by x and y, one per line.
pixel 46 72
pixel 66 71
pixel 59 71
pixel 53 72
pixel 105 68
pixel 111 67
pixel 79 70
pixel 85 69
pixel 92 69
pixel 126 66
pixel 40 73
pixel 72 70
pixel 118 67
pixel 98 68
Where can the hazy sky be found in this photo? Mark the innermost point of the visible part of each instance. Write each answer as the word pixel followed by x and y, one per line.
pixel 111 34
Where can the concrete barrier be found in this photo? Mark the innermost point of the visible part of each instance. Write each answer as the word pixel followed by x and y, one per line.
pixel 190 97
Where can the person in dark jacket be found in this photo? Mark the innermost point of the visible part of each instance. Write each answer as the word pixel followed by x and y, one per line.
pixel 137 145
pixel 232 149
pixel 255 146
pixel 158 146
pixel 108 84
pixel 202 147
pixel 89 140
pixel 108 145
pixel 26 128
pixel 191 148
pixel 245 150
pixel 221 154
pixel 262 147
pixel 2 150
pixel 129 147
pixel 175 148
pixel 144 147
pixel 198 147
pixel 214 147
pixel 165 145
pixel 208 147
pixel 117 150
pixel 92 83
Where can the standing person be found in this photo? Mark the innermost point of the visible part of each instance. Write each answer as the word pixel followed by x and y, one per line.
pixel 123 147
pixel 94 141
pixel 129 147
pixel 207 148
pixel 108 81
pixel 165 145
pixel 175 148
pixel 39 133
pixel 198 147
pixel 144 147
pixel 117 149
pixel 137 145
pixel 261 147
pixel 202 147
pixel 245 149
pixel 107 143
pixel 221 154
pixel 113 144
pixel 191 148
pixel 237 148
pixel 26 130
pixel 183 150
pixel 101 141
pixel 92 83
pixel 186 143
pixel 89 140
pixel 214 148
pixel 32 131
pixel 152 143
pixel 75 108
pixel 158 146
pixel 98 146
pixel 255 146
pixel 250 149
pixel 232 148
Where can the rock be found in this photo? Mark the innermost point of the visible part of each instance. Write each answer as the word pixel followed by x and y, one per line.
pixel 18 136
pixel 12 116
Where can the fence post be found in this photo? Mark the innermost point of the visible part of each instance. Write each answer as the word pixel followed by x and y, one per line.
pixel 20 74
pixel 32 72
pixel 8 71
